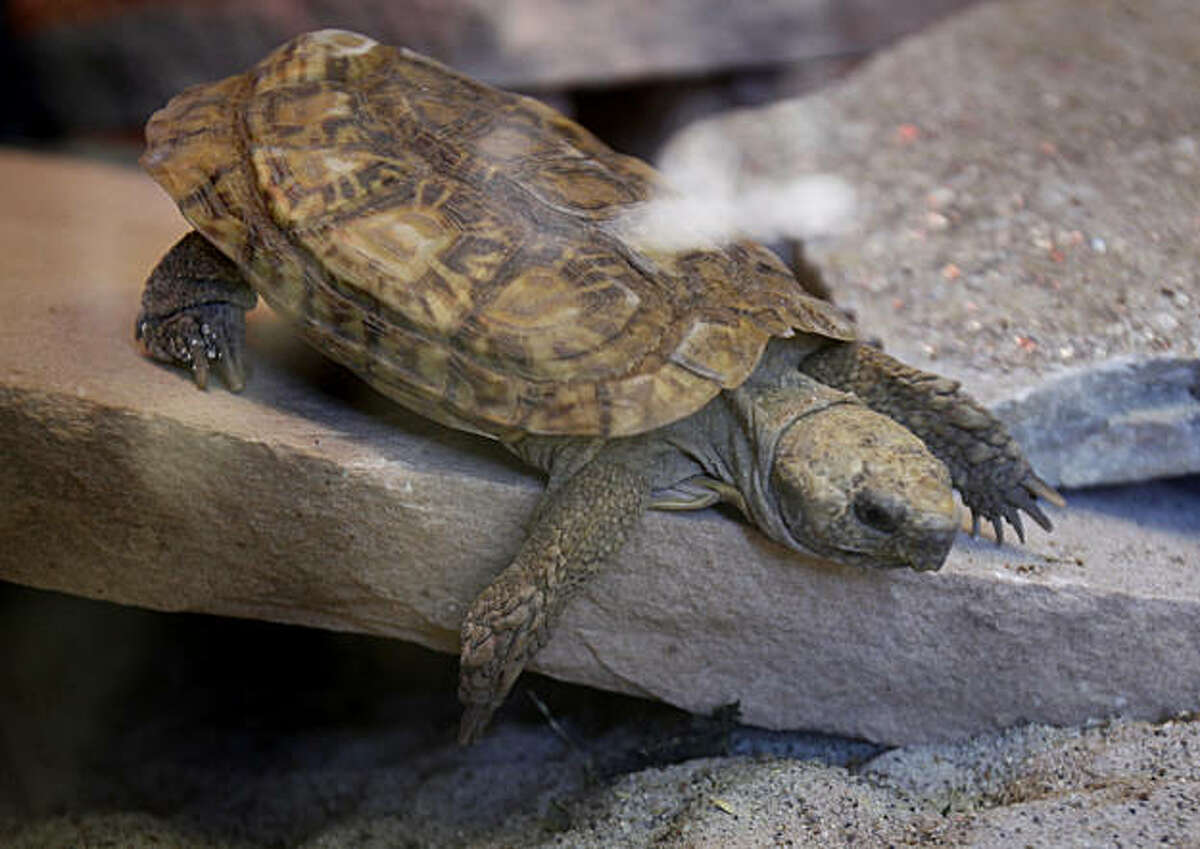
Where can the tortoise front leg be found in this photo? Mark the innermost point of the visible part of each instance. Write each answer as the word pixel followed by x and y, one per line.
pixel 580 525
pixel 987 465
pixel 193 312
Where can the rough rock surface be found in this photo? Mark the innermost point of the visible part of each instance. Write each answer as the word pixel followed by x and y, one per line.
pixel 1028 177
pixel 308 499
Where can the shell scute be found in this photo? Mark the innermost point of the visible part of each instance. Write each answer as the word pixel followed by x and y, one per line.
pixel 554 326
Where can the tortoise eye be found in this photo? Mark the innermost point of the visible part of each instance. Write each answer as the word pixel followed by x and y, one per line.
pixel 877 514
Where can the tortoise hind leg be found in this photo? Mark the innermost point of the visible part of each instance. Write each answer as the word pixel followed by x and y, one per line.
pixel 579 527
pixel 986 464
pixel 193 312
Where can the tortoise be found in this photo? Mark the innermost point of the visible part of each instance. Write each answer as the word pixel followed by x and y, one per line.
pixel 467 252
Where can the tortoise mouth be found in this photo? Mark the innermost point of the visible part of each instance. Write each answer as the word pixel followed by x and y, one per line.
pixel 921 543
pixel 924 559
pixel 861 558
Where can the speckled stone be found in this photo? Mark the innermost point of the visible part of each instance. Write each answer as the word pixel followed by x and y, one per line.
pixel 1028 180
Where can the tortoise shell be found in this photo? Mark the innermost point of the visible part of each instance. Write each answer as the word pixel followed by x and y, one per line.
pixel 464 249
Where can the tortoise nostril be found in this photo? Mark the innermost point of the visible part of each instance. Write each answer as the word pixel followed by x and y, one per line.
pixel 877 513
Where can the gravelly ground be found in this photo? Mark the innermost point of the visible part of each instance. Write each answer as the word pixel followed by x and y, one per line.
pixel 1028 180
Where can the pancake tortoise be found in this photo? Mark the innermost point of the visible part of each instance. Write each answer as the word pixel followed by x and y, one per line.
pixel 468 253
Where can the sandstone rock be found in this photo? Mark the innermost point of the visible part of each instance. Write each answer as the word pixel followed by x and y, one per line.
pixel 1028 185
pixel 308 499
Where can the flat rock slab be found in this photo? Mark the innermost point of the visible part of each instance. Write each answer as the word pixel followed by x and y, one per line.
pixel 308 499
pixel 1028 177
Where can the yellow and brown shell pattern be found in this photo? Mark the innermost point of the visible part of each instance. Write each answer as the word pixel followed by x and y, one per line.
pixel 456 246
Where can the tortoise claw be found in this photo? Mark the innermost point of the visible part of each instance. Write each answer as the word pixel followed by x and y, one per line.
pixel 193 313
pixel 204 338
pixel 231 364
pixel 1025 498
pixel 1033 489
pixel 1021 497
pixel 1014 519
pixel 1038 488
pixel 1038 516
pixel 199 360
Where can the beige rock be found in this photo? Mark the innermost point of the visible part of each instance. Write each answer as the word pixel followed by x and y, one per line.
pixel 308 499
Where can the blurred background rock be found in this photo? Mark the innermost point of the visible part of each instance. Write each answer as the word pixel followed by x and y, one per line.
pixel 88 73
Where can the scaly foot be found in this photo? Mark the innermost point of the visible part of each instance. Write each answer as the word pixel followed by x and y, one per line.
pixel 193 312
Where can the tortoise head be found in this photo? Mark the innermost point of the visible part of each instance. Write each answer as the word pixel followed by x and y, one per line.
pixel 854 486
